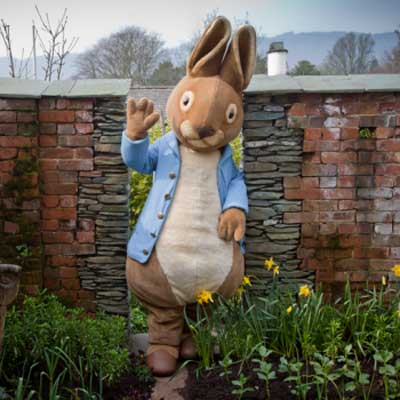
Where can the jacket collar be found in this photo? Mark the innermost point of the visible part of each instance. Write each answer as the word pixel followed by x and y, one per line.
pixel 173 143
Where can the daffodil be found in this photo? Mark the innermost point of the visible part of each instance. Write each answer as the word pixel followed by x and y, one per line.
pixel 205 297
pixel 384 281
pixel 239 291
pixel 396 270
pixel 269 264
pixel 304 291
pixel 276 270
pixel 246 281
pixel 289 309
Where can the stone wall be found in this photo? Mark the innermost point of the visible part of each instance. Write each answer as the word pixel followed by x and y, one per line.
pixel 341 188
pixel 64 193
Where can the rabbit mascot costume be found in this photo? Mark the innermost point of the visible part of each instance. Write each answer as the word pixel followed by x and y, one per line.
pixel 189 235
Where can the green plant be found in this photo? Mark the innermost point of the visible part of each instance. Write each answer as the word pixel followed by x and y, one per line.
pixel 265 371
pixel 294 370
pixel 64 346
pixel 388 372
pixel 240 385
pixel 366 133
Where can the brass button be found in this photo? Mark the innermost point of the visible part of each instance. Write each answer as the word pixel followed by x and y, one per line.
pixel 160 215
pixel 153 234
pixel 167 196
pixel 172 175
pixel 145 252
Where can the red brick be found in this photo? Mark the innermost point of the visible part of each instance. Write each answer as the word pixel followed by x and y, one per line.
pixel 296 194
pixel 49 224
pixel 86 294
pixel 59 213
pixel 26 117
pixel 319 170
pixel 68 273
pixel 52 284
pixel 297 109
pixel 338 158
pixel 65 261
pixel 350 133
pixel 331 133
pixel 48 128
pixel 292 182
pixel 385 181
pixel 50 201
pixel 65 129
pixel 16 141
pixel 312 133
pixel 47 104
pixel 71 284
pixel 10 227
pixel 384 133
pixel 388 169
pixel 48 140
pixel 344 216
pixel 327 229
pixel 337 194
pixel 56 116
pixel 6 166
pixel 319 205
pixel 356 169
pixel 74 104
pixel 8 116
pixel 60 188
pixel 85 237
pixel 75 141
pixel 17 104
pixel 8 153
pixel 345 181
pixel 57 153
pixel 68 201
pixel 310 182
pixel 57 237
pixel 328 182
pixel 83 152
pixel 86 225
pixel 388 145
pixel 84 116
pixel 299 217
pixel 368 252
pixel 329 145
pixel 76 165
pixel 84 128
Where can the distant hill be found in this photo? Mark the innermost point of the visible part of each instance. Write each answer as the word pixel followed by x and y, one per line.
pixel 312 46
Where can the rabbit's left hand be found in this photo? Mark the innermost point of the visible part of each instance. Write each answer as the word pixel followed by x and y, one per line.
pixel 232 224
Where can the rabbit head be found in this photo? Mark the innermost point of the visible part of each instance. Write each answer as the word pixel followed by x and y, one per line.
pixel 205 108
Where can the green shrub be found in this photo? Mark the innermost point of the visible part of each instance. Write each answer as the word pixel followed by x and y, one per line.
pixel 44 333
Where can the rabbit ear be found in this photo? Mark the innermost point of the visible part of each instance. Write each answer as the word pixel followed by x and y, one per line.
pixel 206 57
pixel 240 61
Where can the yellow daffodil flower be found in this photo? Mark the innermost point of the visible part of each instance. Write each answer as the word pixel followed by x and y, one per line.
pixel 269 264
pixel 304 291
pixel 239 291
pixel 289 309
pixel 396 270
pixel 384 280
pixel 205 297
pixel 246 281
pixel 276 270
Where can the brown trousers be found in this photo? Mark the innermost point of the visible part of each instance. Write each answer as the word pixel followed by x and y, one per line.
pixel 166 316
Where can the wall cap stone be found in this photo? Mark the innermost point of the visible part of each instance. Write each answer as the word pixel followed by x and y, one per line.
pixel 72 88
pixel 281 84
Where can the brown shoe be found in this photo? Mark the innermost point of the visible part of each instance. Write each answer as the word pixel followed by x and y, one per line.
pixel 188 348
pixel 161 363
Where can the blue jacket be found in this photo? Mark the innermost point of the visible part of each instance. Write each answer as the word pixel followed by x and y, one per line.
pixel 162 157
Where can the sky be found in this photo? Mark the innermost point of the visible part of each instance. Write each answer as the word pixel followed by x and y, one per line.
pixel 178 20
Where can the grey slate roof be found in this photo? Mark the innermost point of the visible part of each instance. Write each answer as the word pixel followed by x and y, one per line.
pixel 281 84
pixel 27 88
pixel 158 94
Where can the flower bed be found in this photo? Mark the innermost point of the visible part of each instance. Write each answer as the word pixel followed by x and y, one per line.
pixel 294 345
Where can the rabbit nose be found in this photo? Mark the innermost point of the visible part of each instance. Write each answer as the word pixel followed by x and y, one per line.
pixel 205 131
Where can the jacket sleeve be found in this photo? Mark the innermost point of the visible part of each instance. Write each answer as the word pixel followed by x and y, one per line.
pixel 237 193
pixel 139 155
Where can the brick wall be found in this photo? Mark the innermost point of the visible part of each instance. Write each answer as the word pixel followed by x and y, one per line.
pixel 64 195
pixel 348 184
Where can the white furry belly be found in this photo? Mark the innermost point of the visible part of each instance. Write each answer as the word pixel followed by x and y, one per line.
pixel 189 250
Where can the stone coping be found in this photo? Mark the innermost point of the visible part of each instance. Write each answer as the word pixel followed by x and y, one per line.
pixel 282 84
pixel 72 88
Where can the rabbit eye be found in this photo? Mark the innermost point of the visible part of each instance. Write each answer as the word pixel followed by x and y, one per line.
pixel 231 112
pixel 186 100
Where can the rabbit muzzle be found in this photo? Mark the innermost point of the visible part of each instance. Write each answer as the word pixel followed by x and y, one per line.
pixel 201 137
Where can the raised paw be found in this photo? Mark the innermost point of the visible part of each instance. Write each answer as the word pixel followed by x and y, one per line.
pixel 140 116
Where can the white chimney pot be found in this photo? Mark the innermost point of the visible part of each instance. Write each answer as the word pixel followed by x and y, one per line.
pixel 277 59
